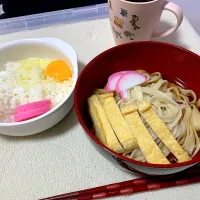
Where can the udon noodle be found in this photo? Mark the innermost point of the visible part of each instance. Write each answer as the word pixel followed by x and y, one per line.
pixel 177 107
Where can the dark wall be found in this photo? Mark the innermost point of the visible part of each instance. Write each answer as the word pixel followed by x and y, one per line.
pixel 14 8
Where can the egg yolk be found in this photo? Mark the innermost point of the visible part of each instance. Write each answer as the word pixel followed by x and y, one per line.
pixel 59 70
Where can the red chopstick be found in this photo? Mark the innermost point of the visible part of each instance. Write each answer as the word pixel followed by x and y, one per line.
pixel 140 188
pixel 134 186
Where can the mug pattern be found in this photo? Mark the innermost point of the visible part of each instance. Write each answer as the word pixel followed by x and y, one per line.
pixel 135 18
pixel 117 34
pixel 119 22
pixel 129 35
pixel 110 5
pixel 124 12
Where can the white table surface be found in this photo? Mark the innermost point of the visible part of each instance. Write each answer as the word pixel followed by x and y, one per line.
pixel 61 159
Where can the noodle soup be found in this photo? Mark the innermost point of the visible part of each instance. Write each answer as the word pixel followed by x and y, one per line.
pixel 146 118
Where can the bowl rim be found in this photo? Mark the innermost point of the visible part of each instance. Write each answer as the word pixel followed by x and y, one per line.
pixel 50 41
pixel 90 134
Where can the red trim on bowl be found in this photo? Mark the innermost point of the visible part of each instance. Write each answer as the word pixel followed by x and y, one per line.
pixel 175 165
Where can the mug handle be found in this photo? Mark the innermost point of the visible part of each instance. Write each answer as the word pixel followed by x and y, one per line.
pixel 179 16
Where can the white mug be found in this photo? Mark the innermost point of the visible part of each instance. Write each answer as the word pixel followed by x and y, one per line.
pixel 136 21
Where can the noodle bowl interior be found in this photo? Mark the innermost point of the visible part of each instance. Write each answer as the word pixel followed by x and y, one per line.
pixel 156 122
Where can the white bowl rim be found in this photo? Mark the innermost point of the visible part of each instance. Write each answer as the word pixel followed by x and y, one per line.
pixel 51 42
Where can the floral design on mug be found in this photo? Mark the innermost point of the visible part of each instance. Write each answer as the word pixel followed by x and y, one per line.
pixel 124 12
pixel 135 18
pixel 118 34
pixel 110 4
pixel 128 34
pixel 118 22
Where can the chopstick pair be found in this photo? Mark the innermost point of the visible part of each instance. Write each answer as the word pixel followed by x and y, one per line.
pixel 134 186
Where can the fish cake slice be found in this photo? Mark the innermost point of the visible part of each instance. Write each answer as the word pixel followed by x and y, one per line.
pixel 147 145
pixel 102 127
pixel 161 130
pixel 118 122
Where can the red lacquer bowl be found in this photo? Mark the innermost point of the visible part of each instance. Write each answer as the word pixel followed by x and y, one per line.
pixel 176 65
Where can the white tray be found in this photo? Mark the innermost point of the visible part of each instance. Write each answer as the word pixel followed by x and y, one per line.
pixel 62 159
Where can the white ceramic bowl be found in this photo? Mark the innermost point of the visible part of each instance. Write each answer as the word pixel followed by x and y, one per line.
pixel 51 48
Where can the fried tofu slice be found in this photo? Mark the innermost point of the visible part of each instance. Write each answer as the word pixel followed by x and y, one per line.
pixel 99 91
pixel 118 122
pixel 159 127
pixel 97 125
pixel 102 127
pixel 147 145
